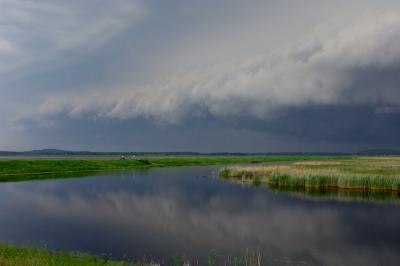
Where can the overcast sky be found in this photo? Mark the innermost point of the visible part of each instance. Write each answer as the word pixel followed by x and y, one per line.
pixel 210 75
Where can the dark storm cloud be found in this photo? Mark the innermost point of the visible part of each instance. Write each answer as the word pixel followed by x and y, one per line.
pixel 327 79
pixel 204 135
pixel 298 76
pixel 358 124
pixel 368 112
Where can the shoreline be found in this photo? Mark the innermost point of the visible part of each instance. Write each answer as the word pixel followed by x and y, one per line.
pixel 12 170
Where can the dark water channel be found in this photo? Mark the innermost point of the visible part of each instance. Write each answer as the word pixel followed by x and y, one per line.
pixel 174 212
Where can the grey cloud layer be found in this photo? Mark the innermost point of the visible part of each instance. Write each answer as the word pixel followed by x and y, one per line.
pixel 320 69
pixel 228 66
pixel 33 32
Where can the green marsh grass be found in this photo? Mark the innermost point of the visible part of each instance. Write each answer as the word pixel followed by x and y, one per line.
pixel 381 174
pixel 31 169
pixel 11 255
pixel 29 256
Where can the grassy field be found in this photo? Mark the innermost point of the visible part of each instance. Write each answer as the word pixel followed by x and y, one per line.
pixel 31 169
pixel 357 173
pixel 28 256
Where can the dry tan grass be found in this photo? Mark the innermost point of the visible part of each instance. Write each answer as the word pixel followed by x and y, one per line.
pixel 367 173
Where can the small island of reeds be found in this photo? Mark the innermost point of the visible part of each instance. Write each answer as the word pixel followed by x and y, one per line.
pixel 380 174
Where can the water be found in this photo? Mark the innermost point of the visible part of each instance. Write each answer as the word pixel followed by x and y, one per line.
pixel 174 212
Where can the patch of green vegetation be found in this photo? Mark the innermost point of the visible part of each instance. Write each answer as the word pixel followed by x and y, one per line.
pixel 29 256
pixel 31 169
pixel 225 173
pixel 11 255
pixel 380 174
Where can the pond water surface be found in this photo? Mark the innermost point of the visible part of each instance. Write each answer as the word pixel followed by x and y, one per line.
pixel 169 213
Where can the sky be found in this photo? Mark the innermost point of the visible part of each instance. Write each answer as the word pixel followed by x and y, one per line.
pixel 206 76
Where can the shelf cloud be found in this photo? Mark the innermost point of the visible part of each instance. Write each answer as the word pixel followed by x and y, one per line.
pixel 316 70
pixel 333 69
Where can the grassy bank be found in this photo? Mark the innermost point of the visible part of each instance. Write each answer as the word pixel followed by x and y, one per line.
pixel 358 173
pixel 30 169
pixel 28 256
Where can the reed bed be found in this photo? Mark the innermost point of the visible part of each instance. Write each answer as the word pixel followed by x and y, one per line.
pixel 359 173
